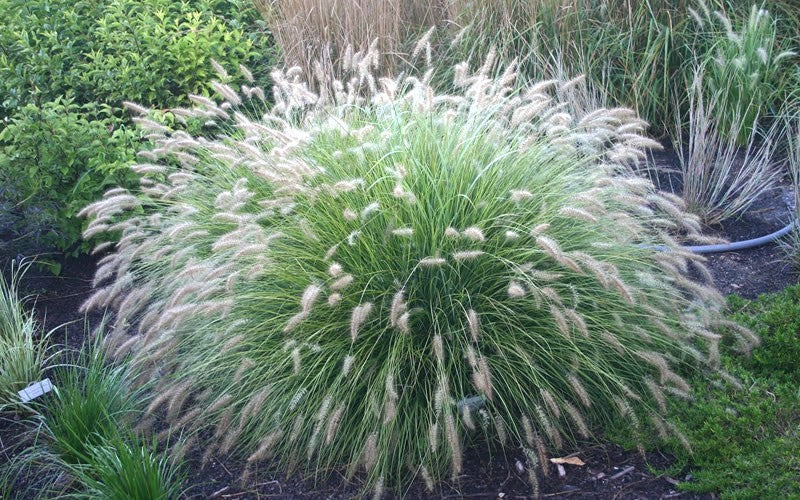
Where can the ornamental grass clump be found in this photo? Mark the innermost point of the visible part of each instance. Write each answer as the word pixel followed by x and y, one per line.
pixel 23 350
pixel 745 68
pixel 374 279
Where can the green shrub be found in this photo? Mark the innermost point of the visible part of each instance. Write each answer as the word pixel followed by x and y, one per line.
pixel 22 350
pixel 65 69
pixel 157 52
pixel 338 283
pixel 56 157
pixel 43 44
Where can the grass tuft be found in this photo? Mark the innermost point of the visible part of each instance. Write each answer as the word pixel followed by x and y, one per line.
pixel 338 271
pixel 22 350
pixel 80 441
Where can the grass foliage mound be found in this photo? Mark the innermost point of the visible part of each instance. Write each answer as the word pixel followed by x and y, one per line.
pixel 22 351
pixel 373 278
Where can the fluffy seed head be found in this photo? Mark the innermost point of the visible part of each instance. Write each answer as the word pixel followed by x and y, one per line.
pixel 358 317
pixel 474 324
pixel 404 232
pixel 518 195
pixel 466 255
pixel 516 290
pixel 474 233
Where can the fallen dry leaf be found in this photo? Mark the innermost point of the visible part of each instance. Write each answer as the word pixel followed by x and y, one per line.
pixel 567 460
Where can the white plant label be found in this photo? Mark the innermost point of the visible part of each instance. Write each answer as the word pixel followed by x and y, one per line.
pixel 35 390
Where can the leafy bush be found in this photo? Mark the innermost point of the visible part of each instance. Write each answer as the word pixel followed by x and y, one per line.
pixel 65 69
pixel 53 160
pixel 22 351
pixel 323 283
pixel 158 52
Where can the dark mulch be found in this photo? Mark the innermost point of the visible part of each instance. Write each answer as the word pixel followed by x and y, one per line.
pixel 750 273
pixel 610 472
pixel 56 300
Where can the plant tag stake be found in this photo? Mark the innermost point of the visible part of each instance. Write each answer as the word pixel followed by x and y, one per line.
pixel 35 390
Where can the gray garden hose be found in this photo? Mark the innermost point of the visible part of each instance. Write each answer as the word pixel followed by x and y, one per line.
pixel 736 245
pixel 742 245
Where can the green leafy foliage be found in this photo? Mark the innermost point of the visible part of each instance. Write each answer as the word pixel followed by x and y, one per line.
pixel 53 159
pixel 66 67
pixel 157 52
pixel 776 318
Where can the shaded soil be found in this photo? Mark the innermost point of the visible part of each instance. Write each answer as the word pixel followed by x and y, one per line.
pixel 750 273
pixel 609 471
pixel 56 300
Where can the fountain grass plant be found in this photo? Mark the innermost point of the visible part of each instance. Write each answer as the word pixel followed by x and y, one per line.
pixel 22 350
pixel 791 244
pixel 80 441
pixel 719 179
pixel 745 67
pixel 372 279
pixel 634 51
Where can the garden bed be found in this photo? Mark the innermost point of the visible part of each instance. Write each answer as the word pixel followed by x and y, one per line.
pixel 609 470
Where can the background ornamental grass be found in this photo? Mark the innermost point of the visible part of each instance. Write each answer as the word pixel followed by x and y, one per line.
pixel 327 284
